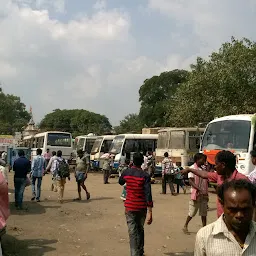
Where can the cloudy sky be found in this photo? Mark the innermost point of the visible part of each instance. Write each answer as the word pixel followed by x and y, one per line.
pixel 96 54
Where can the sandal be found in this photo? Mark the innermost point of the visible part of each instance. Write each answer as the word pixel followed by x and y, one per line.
pixel 88 195
pixel 77 199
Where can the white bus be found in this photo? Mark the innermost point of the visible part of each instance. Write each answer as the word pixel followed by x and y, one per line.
pixel 124 145
pixel 53 141
pixel 85 143
pixel 101 146
pixel 180 143
pixel 235 133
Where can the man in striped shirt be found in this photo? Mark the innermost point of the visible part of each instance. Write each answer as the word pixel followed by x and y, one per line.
pixel 234 233
pixel 138 203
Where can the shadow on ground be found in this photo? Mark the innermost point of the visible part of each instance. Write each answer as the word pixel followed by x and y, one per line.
pixel 31 208
pixel 36 247
pixel 87 201
pixel 179 254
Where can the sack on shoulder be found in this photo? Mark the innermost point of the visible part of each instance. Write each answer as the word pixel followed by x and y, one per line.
pixel 63 169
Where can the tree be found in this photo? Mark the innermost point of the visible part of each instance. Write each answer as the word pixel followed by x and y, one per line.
pixel 155 94
pixel 130 124
pixel 223 85
pixel 76 121
pixel 13 114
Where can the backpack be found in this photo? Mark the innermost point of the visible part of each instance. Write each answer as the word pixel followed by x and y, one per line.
pixel 63 169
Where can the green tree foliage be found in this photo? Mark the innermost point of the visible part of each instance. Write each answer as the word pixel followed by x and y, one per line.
pixel 155 95
pixel 76 121
pixel 13 114
pixel 130 124
pixel 223 85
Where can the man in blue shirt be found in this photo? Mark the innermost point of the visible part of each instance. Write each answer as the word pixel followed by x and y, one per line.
pixel 38 167
pixel 21 167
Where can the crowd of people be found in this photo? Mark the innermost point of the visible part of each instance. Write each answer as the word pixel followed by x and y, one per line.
pixel 234 232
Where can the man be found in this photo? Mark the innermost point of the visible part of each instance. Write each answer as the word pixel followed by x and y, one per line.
pixel 106 169
pixel 38 167
pixel 138 203
pixel 82 169
pixel 199 193
pixel 61 171
pixel 47 157
pixel 4 156
pixel 234 233
pixel 167 174
pixel 225 166
pixel 21 168
pixel 252 175
pixel 49 168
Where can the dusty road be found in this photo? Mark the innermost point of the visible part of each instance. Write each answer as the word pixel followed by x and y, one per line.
pixel 96 227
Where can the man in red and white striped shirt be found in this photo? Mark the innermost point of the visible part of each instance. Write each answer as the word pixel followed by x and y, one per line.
pixel 138 203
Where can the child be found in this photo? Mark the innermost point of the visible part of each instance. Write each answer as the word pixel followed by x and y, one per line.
pixel 199 193
pixel 180 179
pixel 121 170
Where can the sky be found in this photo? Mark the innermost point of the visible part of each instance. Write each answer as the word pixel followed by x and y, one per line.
pixel 95 54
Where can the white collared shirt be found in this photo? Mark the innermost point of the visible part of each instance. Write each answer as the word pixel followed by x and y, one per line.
pixel 216 240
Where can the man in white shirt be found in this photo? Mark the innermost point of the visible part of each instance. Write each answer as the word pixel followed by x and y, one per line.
pixel 234 233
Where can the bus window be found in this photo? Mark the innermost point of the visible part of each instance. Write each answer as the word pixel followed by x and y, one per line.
pixel 89 144
pixel 40 142
pixel 59 140
pixel 178 140
pixel 80 144
pixel 194 141
pixel 129 146
pixel 162 140
pixel 106 146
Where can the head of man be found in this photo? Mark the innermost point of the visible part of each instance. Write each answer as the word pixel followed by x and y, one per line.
pixel 138 159
pixel 39 151
pixel 21 153
pixel 225 162
pixel 53 153
pixel 253 157
pixel 80 153
pixel 166 154
pixel 47 150
pixel 59 153
pixel 238 200
pixel 200 159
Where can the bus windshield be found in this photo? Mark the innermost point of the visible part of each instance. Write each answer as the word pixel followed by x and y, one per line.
pixel 59 140
pixel 117 144
pixel 80 144
pixel 228 134
pixel 96 146
pixel 89 145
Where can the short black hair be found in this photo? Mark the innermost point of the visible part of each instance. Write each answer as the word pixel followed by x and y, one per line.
pixel 237 185
pixel 127 161
pixel 59 153
pixel 138 159
pixel 166 154
pixel 253 153
pixel 228 158
pixel 21 152
pixel 54 153
pixel 199 156
pixel 39 151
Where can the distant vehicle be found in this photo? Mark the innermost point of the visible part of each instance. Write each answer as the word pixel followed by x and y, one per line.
pixel 125 145
pixel 180 143
pixel 85 143
pixel 101 146
pixel 236 133
pixel 52 140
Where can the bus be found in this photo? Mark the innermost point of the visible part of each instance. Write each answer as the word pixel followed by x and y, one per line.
pixel 53 141
pixel 235 133
pixel 85 143
pixel 124 145
pixel 180 143
pixel 101 146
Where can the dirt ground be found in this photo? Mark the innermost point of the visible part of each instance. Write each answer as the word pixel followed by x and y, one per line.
pixel 96 227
